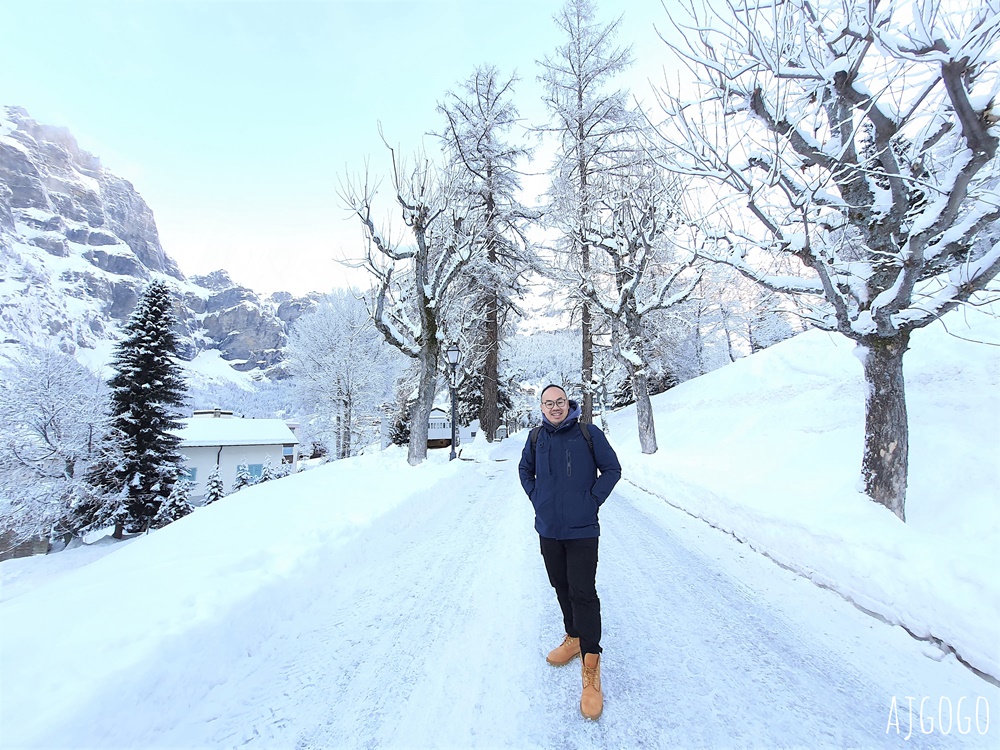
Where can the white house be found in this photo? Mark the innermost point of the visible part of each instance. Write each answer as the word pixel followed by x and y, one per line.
pixel 438 429
pixel 215 438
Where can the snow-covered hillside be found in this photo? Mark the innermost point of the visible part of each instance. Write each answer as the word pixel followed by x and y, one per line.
pixel 366 603
pixel 769 448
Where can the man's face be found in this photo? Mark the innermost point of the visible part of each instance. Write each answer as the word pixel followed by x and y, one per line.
pixel 555 405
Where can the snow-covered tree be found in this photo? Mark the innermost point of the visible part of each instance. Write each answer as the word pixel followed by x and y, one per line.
pixel 544 357
pixel 243 477
pixel 139 446
pixel 268 472
pixel 177 505
pixel 214 487
pixel 631 223
pixel 344 369
pixel 414 279
pixel 50 416
pixel 477 142
pixel 860 139
pixel 587 121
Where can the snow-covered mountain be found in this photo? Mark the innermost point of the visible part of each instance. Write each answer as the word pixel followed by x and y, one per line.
pixel 78 244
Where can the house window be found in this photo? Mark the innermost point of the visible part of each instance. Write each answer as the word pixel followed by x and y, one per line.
pixel 287 454
pixel 188 474
pixel 255 470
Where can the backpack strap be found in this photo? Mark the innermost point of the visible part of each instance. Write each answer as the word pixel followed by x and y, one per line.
pixel 585 429
pixel 534 437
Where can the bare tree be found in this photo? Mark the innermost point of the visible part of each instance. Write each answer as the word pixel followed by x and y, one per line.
pixel 413 281
pixel 587 121
pixel 630 224
pixel 858 138
pixel 51 410
pixel 476 141
pixel 343 368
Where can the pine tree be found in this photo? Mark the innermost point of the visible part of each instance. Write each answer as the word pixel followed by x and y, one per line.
pixel 177 505
pixel 139 453
pixel 478 144
pixel 214 488
pixel 400 432
pixel 243 477
pixel 587 119
pixel 268 472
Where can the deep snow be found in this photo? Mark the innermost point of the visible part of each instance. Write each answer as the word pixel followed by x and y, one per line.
pixel 370 604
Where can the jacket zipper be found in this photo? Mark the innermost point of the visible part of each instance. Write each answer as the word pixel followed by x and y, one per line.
pixel 569 465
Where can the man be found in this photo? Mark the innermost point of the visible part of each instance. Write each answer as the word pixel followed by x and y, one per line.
pixel 559 472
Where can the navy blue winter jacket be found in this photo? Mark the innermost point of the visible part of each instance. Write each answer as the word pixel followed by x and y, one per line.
pixel 559 474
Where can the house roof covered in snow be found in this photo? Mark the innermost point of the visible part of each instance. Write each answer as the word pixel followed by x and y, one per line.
pixel 204 431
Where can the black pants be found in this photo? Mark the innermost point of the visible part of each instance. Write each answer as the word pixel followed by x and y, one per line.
pixel 572 568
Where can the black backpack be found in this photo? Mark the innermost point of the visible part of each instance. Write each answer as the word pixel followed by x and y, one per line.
pixel 585 429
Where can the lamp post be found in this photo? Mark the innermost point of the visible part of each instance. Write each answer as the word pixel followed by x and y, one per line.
pixel 453 355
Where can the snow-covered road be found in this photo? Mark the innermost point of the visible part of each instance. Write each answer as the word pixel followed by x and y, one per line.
pixel 429 629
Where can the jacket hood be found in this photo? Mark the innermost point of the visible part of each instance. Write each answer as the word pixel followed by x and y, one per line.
pixel 574 414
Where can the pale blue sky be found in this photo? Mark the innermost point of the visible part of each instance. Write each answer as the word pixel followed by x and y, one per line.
pixel 235 119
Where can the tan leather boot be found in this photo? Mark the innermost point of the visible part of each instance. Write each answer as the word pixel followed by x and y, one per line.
pixel 592 700
pixel 565 652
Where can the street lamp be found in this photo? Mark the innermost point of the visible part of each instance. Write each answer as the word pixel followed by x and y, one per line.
pixel 453 355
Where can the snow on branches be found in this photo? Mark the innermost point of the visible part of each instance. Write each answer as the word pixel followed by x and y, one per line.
pixel 413 280
pixel 859 139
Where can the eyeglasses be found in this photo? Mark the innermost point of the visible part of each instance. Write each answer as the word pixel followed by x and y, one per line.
pixel 550 404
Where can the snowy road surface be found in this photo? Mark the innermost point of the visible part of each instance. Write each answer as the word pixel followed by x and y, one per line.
pixel 429 629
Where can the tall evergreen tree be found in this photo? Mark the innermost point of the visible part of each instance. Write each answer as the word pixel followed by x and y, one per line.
pixel 139 457
pixel 477 142
pixel 588 120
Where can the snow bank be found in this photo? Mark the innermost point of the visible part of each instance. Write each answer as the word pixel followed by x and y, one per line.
pixel 191 572
pixel 769 449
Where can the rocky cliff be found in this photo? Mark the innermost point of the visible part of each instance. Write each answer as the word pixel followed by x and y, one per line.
pixel 78 244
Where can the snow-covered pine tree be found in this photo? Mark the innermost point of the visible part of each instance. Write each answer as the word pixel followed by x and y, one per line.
pixel 139 448
pixel 587 120
pixel 243 477
pixel 214 487
pixel 399 434
pixel 267 472
pixel 477 141
pixel 177 505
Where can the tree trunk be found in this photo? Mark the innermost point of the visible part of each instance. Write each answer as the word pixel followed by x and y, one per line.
pixel 489 411
pixel 586 324
pixel 587 370
pixel 729 335
pixel 421 413
pixel 644 412
pixel 886 453
pixel 345 429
